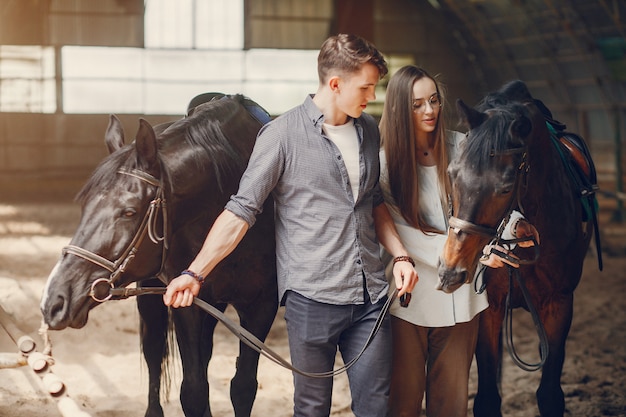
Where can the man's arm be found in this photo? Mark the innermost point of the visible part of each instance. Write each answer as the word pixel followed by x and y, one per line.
pixel 403 271
pixel 224 236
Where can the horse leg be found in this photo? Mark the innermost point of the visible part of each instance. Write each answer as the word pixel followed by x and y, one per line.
pixel 194 333
pixel 557 320
pixel 153 333
pixel 258 320
pixel 487 402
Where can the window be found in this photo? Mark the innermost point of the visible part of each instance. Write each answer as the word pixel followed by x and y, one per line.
pixel 194 24
pixel 27 81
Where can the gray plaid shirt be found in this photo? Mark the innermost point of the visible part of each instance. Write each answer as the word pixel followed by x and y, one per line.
pixel 326 245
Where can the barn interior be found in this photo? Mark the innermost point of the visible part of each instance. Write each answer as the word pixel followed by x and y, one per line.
pixel 66 64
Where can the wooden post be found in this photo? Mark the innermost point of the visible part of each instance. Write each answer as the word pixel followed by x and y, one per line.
pixel 40 365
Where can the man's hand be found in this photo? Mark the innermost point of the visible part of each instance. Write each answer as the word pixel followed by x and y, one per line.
pixel 181 291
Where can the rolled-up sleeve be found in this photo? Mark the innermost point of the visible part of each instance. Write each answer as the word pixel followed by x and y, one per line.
pixel 264 169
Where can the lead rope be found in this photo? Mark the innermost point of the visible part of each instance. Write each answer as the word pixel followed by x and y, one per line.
pixel 508 328
pixel 254 342
pixel 508 312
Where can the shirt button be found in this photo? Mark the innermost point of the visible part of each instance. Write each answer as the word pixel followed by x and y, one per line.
pixel 358 261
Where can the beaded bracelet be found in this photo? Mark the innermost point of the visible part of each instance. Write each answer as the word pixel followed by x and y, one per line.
pixel 197 277
pixel 403 259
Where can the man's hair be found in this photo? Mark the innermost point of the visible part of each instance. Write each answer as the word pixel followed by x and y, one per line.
pixel 348 53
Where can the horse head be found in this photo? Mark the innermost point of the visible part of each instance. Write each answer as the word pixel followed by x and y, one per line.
pixel 127 232
pixel 120 236
pixel 485 182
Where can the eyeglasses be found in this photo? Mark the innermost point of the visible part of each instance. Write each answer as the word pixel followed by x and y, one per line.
pixel 419 104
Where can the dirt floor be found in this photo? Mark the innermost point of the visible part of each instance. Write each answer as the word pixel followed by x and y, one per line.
pixel 104 372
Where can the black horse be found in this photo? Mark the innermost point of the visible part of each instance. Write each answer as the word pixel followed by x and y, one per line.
pixel 145 213
pixel 510 162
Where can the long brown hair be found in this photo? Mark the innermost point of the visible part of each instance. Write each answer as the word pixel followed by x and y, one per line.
pixel 398 141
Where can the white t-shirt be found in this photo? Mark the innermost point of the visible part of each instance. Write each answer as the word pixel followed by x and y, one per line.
pixel 347 140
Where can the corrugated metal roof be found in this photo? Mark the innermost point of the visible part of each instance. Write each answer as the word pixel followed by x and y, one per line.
pixel 571 52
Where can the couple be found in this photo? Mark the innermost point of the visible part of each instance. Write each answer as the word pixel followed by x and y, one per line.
pixel 320 161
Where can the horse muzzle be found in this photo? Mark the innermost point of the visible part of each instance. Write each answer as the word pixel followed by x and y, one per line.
pixel 450 279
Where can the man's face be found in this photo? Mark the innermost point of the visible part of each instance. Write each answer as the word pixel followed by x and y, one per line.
pixel 357 89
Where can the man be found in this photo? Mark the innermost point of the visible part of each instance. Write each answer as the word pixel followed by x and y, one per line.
pixel 320 162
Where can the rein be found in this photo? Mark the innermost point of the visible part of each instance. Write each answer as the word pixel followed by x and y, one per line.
pixel 254 342
pixel 459 225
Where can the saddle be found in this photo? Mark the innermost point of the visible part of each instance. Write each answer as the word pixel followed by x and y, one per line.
pixel 581 170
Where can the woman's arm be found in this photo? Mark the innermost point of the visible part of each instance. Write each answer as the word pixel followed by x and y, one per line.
pixel 403 271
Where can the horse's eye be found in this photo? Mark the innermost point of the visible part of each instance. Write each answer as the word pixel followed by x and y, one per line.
pixel 129 212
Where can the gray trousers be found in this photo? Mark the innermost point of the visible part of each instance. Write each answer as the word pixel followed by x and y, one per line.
pixel 316 330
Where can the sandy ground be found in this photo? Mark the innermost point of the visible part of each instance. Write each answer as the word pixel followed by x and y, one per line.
pixel 104 372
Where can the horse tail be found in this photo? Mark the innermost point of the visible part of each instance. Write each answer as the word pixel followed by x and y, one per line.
pixel 157 341
pixel 169 352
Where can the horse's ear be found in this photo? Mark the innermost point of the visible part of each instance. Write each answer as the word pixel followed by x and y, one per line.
pixel 146 144
pixel 114 135
pixel 470 117
pixel 521 127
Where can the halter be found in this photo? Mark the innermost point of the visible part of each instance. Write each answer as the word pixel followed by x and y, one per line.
pixel 147 227
pixel 459 225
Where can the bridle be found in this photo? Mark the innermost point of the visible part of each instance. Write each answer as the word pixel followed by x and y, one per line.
pixel 495 234
pixel 459 225
pixel 148 227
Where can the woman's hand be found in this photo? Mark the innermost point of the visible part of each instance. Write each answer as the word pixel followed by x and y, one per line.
pixel 523 229
pixel 493 260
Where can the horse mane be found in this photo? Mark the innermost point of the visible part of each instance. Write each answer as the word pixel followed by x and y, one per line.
pixel 105 174
pixel 213 127
pixel 492 136
pixel 207 128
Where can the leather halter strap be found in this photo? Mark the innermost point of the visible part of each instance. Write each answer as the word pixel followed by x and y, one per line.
pixel 459 225
pixel 147 227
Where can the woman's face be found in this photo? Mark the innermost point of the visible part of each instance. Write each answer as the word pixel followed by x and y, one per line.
pixel 426 105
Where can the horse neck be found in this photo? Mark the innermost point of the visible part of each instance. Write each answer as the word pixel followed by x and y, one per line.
pixel 546 177
pixel 193 192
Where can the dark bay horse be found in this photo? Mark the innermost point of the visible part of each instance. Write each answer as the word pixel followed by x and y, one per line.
pixel 145 213
pixel 509 162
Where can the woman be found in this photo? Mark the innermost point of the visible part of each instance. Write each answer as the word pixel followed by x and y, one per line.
pixel 434 337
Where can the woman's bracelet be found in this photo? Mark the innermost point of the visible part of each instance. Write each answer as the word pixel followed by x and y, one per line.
pixel 403 259
pixel 192 274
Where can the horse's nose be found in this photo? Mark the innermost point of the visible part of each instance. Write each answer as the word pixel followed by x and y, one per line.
pixel 55 312
pixel 450 279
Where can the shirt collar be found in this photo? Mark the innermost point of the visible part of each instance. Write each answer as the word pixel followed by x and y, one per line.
pixel 315 114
